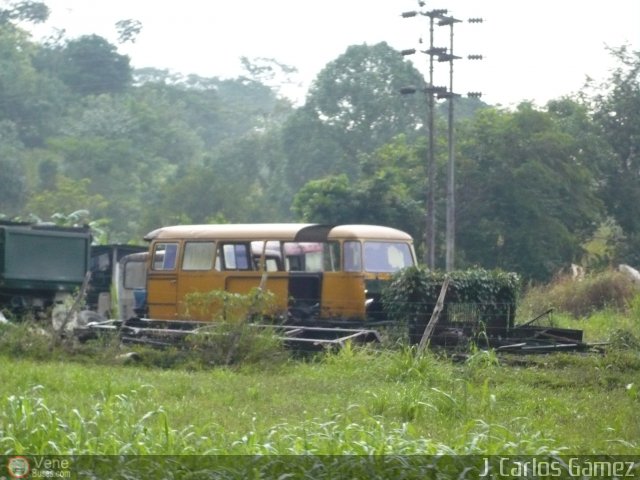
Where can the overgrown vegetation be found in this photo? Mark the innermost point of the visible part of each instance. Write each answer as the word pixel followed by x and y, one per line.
pixel 59 397
pixel 580 297
pixel 352 413
pixel 233 339
pixel 606 305
pixel 358 401
pixel 416 289
pixel 488 299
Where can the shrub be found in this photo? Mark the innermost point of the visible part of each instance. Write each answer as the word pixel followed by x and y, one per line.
pixel 26 339
pixel 605 290
pixel 476 298
pixel 232 338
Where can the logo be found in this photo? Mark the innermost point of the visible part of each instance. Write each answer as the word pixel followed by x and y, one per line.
pixel 18 467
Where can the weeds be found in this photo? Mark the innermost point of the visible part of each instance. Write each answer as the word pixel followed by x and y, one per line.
pixel 358 401
pixel 233 341
pixel 609 290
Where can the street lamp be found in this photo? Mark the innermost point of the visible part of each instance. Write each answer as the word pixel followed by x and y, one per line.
pixel 430 91
pixel 451 197
pixel 440 92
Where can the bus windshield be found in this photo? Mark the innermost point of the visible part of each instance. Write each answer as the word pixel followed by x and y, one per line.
pixel 386 257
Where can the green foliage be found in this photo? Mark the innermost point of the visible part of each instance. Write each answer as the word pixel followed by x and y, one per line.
pixel 230 307
pixel 356 96
pixel 617 114
pixel 12 181
pixel 529 198
pixel 604 247
pixel 353 108
pixel 624 340
pixel 31 101
pixel 26 339
pixel 66 195
pixel 385 195
pixel 27 10
pixel 413 293
pixel 359 402
pixel 324 200
pixel 609 289
pixel 232 339
pixel 93 66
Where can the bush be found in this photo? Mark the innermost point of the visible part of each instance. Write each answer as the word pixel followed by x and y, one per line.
pixel 232 338
pixel 26 339
pixel 581 298
pixel 476 298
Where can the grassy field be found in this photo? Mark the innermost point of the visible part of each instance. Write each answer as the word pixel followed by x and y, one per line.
pixel 355 402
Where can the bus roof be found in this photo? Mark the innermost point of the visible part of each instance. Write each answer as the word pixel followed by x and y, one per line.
pixel 302 232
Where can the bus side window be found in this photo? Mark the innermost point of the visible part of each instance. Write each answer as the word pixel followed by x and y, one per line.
pixel 331 257
pixel 271 264
pixel 352 257
pixel 294 263
pixel 236 256
pixel 198 256
pixel 164 256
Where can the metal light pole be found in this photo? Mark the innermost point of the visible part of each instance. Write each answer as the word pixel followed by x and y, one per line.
pixel 451 196
pixel 431 91
pixel 451 188
pixel 430 232
pixel 441 92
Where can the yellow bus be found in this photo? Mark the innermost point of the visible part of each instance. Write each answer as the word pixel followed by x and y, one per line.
pixel 314 271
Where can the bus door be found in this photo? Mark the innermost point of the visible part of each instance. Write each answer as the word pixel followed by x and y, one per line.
pixel 343 291
pixel 162 281
pixel 199 273
pixel 305 265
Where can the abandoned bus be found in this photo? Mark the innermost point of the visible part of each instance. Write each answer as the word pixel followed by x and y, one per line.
pixel 314 271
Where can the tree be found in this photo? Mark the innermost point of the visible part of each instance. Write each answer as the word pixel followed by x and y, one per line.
pixel 239 180
pixel 24 11
pixel 526 199
pixel 312 151
pixel 217 110
pixel 354 106
pixel 358 95
pixel 268 72
pixel 617 113
pixel 66 196
pixel 385 195
pixel 29 99
pixel 128 30
pixel 91 65
pixel 12 174
pixel 329 200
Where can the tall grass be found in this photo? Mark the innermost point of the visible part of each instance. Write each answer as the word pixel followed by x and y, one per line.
pixel 605 305
pixel 609 290
pixel 357 401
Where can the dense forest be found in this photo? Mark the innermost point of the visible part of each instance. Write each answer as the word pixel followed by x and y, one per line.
pixel 85 138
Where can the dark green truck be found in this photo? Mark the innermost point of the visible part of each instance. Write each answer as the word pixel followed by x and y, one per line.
pixel 41 265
